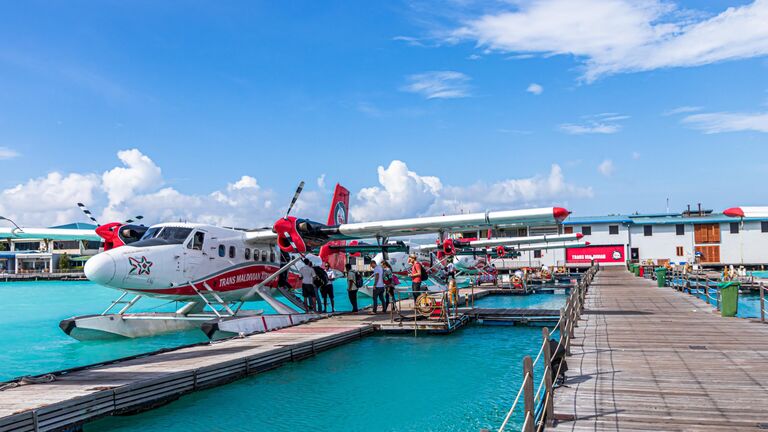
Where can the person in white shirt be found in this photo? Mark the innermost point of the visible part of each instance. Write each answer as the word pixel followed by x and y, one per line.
pixel 307 285
pixel 378 286
pixel 327 290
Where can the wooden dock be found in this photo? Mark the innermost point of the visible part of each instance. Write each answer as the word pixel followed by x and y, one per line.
pixel 648 358
pixel 144 382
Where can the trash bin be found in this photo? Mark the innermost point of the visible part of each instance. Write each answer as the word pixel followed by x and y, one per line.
pixel 636 269
pixel 641 272
pixel 661 277
pixel 729 298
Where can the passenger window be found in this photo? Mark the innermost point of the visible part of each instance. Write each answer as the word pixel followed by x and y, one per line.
pixel 221 251
pixel 272 256
pixel 197 240
pixel 263 255
pixel 247 253
pixel 231 251
pixel 256 255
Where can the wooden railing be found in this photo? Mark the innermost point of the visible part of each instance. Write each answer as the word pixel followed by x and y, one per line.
pixel 762 289
pixel 538 407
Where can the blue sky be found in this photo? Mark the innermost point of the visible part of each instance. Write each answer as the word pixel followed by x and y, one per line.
pixel 634 104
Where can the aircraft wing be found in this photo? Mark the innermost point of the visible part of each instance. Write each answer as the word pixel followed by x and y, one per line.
pixel 559 245
pixel 747 212
pixel 426 225
pixel 509 241
pixel 48 233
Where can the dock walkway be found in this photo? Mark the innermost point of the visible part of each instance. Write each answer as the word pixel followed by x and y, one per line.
pixel 648 358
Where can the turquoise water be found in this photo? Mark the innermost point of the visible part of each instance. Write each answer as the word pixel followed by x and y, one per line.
pixel 534 301
pixel 760 274
pixel 462 382
pixel 749 304
pixel 34 344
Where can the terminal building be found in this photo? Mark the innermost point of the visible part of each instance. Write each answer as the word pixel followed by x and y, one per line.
pixel 19 256
pixel 693 236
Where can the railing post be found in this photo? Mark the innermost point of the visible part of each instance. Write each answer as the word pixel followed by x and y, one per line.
pixel 528 394
pixel 549 397
pixel 762 302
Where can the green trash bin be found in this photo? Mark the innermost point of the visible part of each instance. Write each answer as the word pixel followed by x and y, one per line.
pixel 661 276
pixel 636 270
pixel 729 298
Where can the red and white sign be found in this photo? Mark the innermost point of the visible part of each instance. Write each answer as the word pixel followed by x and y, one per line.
pixel 601 254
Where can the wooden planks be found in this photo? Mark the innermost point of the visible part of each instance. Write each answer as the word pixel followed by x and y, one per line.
pixel 648 358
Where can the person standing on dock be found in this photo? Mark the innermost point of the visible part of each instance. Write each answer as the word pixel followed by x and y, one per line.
pixel 389 285
pixel 378 286
pixel 307 285
pixel 415 274
pixel 352 285
pixel 327 290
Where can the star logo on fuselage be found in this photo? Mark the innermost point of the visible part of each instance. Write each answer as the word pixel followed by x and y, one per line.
pixel 140 266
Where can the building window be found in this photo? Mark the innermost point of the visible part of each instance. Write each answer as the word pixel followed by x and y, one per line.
pixel 764 226
pixel 537 253
pixel 247 253
pixel 648 230
pixel 680 230
pixel 586 230
pixel 568 230
pixel 222 251
pixel 613 229
pixel 734 227
pixel 679 250
pixel 231 251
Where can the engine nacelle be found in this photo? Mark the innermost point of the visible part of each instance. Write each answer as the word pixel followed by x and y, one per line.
pixel 449 249
pixel 299 235
pixel 110 234
pixel 501 251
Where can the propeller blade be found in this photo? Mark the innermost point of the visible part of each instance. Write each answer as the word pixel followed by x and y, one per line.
pixel 88 213
pixel 295 198
pixel 135 219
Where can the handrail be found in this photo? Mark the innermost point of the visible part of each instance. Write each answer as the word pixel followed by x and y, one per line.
pixel 538 407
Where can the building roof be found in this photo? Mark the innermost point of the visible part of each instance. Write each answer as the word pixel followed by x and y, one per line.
pixel 75 225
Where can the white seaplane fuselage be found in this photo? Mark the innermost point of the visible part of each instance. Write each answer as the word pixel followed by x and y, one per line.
pixel 177 260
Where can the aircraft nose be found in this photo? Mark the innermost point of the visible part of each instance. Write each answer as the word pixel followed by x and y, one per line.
pixel 100 268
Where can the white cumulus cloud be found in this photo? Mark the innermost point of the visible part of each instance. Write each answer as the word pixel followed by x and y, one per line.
pixel 404 193
pixel 438 85
pixel 606 167
pixel 534 88
pixel 617 36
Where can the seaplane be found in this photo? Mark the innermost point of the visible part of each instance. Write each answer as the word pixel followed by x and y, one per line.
pixel 218 269
pixel 470 256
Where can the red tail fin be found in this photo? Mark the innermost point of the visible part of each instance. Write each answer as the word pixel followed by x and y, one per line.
pixel 339 214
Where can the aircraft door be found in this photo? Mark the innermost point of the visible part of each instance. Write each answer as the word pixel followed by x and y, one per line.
pixel 194 255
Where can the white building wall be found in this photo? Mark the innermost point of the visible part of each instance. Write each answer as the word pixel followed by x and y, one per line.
pixel 663 243
pixel 749 246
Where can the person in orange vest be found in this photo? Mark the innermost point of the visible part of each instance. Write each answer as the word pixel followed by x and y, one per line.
pixel 417 270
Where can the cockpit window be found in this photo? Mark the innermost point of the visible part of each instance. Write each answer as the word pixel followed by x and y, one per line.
pixel 197 241
pixel 163 236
